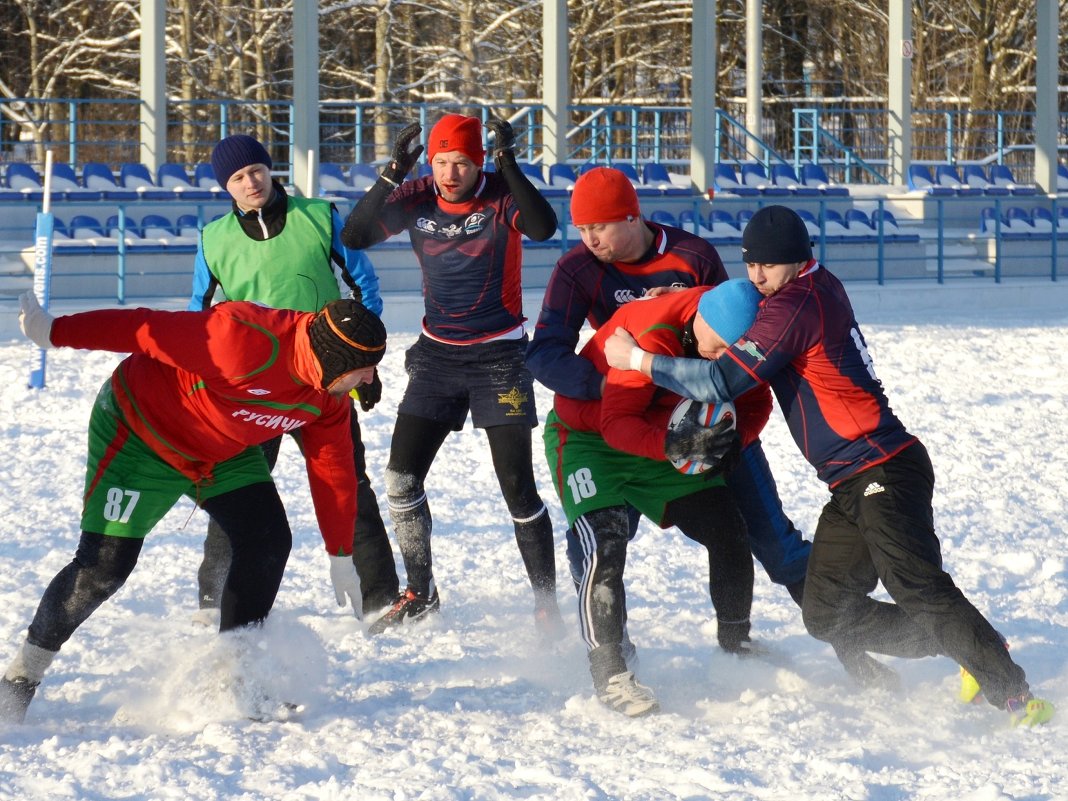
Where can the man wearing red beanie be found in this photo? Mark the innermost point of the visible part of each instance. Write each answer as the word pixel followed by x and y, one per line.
pixel 622 258
pixel 465 227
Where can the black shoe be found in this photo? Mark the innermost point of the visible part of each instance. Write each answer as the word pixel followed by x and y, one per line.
pixel 409 606
pixel 868 672
pixel 15 697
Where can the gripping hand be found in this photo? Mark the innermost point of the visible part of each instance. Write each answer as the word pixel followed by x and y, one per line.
pixel 503 135
pixel 691 440
pixel 346 583
pixel 370 394
pixel 406 152
pixel 35 322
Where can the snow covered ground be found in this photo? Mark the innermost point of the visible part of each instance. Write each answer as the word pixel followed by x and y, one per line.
pixel 141 705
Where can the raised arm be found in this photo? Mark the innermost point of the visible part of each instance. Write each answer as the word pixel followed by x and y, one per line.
pixel 536 216
pixel 362 228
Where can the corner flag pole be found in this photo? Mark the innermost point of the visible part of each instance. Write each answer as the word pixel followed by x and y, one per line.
pixel 42 267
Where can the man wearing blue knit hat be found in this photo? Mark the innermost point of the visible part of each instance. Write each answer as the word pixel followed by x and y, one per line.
pixel 878 526
pixel 616 452
pixel 286 252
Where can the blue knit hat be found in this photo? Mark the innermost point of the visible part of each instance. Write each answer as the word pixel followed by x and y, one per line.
pixel 730 308
pixel 235 153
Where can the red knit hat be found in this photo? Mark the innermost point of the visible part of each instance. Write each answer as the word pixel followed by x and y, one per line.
pixel 603 195
pixel 457 132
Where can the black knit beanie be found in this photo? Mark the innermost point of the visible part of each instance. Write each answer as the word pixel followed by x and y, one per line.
pixel 346 336
pixel 235 153
pixel 776 235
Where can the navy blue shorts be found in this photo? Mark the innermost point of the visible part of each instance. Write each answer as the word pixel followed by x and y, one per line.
pixel 490 380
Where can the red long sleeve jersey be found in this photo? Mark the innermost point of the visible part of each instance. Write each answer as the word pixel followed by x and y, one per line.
pixel 633 413
pixel 200 387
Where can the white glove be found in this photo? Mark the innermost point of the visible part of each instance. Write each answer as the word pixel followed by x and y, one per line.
pixel 35 322
pixel 346 582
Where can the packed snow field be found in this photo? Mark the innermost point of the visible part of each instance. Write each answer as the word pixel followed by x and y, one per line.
pixel 142 703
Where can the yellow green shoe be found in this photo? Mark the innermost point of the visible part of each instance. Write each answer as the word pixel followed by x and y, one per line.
pixel 970 691
pixel 1029 711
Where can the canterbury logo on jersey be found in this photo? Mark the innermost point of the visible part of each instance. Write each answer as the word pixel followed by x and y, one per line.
pixel 474 224
pixel 277 421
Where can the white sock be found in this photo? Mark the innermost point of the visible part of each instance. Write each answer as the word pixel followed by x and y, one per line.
pixel 30 663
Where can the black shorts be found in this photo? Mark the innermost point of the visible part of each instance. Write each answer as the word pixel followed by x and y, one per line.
pixel 490 380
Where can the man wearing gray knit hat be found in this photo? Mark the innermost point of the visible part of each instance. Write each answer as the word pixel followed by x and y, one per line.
pixel 286 252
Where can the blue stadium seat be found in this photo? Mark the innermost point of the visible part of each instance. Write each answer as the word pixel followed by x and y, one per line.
pixel 536 177
pixel 656 175
pixel 188 226
pixel 204 178
pixel 975 177
pixel 663 217
pixel 631 172
pixel 1018 224
pixel 157 226
pixel 561 176
pixel 423 170
pixel 65 184
pixel 920 180
pixel 173 177
pixel 858 222
pixel 132 232
pixel 137 178
pixel 811 223
pixel 946 175
pixel 22 183
pixel 99 177
pixel 835 228
pixel 1001 175
pixel 891 230
pixel 694 223
pixel 723 228
pixel 362 176
pixel 744 215
pixel 724 179
pixel 753 176
pixel 814 176
pixel 1043 222
pixel 783 175
pixel 988 220
pixel 1062 178
pixel 86 231
pixel 332 181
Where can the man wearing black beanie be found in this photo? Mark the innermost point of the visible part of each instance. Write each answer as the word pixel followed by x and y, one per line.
pixel 286 252
pixel 178 417
pixel 879 524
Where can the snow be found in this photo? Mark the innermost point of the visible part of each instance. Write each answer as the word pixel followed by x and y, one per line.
pixel 141 703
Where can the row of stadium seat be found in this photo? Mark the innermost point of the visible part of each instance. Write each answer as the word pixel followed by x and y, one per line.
pixel 1019 223
pixel 783 181
pixel 172 182
pixel 98 182
pixel 997 180
pixel 854 226
pixel 153 231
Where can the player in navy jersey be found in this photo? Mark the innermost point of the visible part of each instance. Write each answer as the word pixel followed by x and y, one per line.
pixel 622 258
pixel 465 226
pixel 879 523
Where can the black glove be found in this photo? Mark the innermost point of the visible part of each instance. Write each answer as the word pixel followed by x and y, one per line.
pixel 689 440
pixel 503 137
pixel 406 152
pixel 370 394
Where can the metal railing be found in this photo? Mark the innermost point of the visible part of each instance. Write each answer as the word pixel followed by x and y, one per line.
pixel 950 245
pixel 849 138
